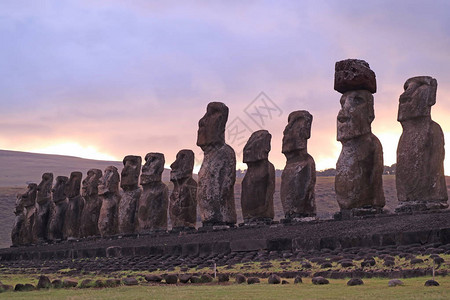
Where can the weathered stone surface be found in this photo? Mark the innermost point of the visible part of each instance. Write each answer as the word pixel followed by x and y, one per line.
pixel 108 191
pixel 359 169
pixel 217 175
pixel 355 281
pixel 395 282
pixel 319 280
pixel 18 231
pixel 72 219
pixel 58 213
pixel 420 179
pixel 223 277
pixel 206 278
pixel 171 279
pixel 92 204
pixel 130 195
pixel 29 203
pixel 274 279
pixel 154 201
pixel 43 208
pixel 130 281
pixel 153 278
pixel 354 74
pixel 253 280
pixel 299 175
pixel 183 200
pixel 44 282
pixel 184 278
pixel 258 184
pixel 239 278
pixel 70 283
pixel 298 279
pixel 431 282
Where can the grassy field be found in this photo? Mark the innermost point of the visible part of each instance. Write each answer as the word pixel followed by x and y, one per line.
pixel 337 289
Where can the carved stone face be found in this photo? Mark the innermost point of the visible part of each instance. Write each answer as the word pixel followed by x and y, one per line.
pixel 29 197
pixel 183 166
pixel 417 99
pixel 59 190
pixel 74 184
pixel 90 183
pixel 109 183
pixel 153 168
pixel 44 188
pixel 130 172
pixel 257 147
pixel 211 128
pixel 356 115
pixel 297 131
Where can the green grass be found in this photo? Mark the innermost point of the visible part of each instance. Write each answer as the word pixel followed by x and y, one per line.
pixel 337 289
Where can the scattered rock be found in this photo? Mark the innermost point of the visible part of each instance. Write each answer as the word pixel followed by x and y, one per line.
pixel 431 282
pixel 130 281
pixel 355 281
pixel 284 282
pixel 395 282
pixel 306 265
pixel 206 278
pixel 253 280
pixel 99 283
pixel 57 284
pixel 224 277
pixel 86 283
pixel 368 263
pixel 112 282
pixel 274 279
pixel 24 287
pixel 320 280
pixel 153 278
pixel 184 278
pixel 44 282
pixel 416 261
pixel 69 283
pixel 298 279
pixel 171 279
pixel 196 279
pixel 240 278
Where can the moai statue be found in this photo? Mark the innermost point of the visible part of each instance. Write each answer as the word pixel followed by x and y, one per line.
pixel 258 184
pixel 154 201
pixel 18 230
pixel 29 203
pixel 215 194
pixel 420 176
pixel 298 179
pixel 92 204
pixel 58 213
pixel 359 169
pixel 183 200
pixel 130 195
pixel 108 191
pixel 44 206
pixel 72 220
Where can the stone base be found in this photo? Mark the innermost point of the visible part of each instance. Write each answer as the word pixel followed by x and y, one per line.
pixel 182 229
pixel 298 220
pixel 256 222
pixel 347 214
pixel 412 206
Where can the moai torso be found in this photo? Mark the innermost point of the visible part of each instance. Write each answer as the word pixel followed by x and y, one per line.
pixel 58 213
pixel 92 204
pixel 258 185
pixel 217 175
pixel 29 203
pixel 420 176
pixel 183 200
pixel 108 191
pixel 18 231
pixel 44 206
pixel 154 201
pixel 72 220
pixel 130 194
pixel 298 179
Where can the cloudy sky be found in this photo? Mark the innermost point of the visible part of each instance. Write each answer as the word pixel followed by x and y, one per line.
pixel 104 79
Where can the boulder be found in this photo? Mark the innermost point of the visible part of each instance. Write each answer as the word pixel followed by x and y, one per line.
pixel 253 280
pixel 44 282
pixel 355 281
pixel 319 280
pixel 239 278
pixel 274 279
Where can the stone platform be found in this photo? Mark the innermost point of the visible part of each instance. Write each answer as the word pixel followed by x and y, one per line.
pixel 376 231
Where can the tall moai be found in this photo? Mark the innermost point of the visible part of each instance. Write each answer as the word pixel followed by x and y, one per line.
pixel 130 195
pixel 18 230
pixel 154 201
pixel 58 213
pixel 44 206
pixel 92 204
pixel 108 191
pixel 258 185
pixel 298 179
pixel 217 175
pixel 72 220
pixel 29 203
pixel 183 200
pixel 359 169
pixel 420 176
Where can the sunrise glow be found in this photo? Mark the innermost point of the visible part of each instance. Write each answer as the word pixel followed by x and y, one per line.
pixel 75 149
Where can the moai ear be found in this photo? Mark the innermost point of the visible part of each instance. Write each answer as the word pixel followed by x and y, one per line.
pixel 431 100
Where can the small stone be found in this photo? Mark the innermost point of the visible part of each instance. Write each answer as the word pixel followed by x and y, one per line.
pixel 224 277
pixel 112 282
pixel 68 283
pixel 355 281
pixel 319 280
pixel 326 265
pixel 86 283
pixel 44 282
pixel 57 284
pixel 196 279
pixel 274 279
pixel 431 282
pixel 184 278
pixel 306 265
pixel 298 279
pixel 99 283
pixel 130 281
pixel 153 278
pixel 346 263
pixel 206 278
pixel 368 263
pixel 253 280
pixel 416 261
pixel 284 282
pixel 171 279
pixel 395 282
pixel 240 278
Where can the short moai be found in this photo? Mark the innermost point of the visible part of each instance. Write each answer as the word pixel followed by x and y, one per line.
pixel 44 206
pixel 29 203
pixel 359 169
pixel 72 220
pixel 183 200
pixel 154 201
pixel 298 179
pixel 420 178
pixel 92 204
pixel 58 213
pixel 217 175
pixel 108 191
pixel 258 185
pixel 130 195
pixel 18 231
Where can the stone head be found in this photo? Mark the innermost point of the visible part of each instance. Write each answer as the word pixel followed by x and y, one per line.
pixel 44 188
pixel 297 131
pixel 29 197
pixel 417 99
pixel 352 75
pixel 153 168
pixel 90 183
pixel 60 188
pixel 130 172
pixel 356 115
pixel 19 207
pixel 257 147
pixel 211 128
pixel 109 182
pixel 74 184
pixel 183 165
